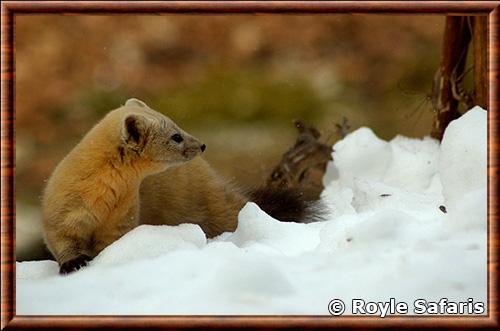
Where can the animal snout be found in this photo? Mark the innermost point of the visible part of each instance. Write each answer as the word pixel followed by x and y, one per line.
pixel 203 147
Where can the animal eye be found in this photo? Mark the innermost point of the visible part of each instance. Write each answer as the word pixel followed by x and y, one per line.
pixel 177 138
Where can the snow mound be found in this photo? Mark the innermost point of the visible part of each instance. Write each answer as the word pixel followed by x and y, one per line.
pixel 417 157
pixel 407 221
pixel 404 163
pixel 359 149
pixel 463 169
pixel 463 155
pixel 257 229
pixel 150 242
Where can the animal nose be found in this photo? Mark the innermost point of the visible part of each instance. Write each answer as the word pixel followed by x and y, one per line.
pixel 203 147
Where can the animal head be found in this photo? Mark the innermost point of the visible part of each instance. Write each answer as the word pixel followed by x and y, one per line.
pixel 152 137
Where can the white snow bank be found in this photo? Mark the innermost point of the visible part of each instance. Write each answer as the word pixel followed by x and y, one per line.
pixel 386 237
pixel 150 242
pixel 462 169
pixel 257 229
pixel 403 162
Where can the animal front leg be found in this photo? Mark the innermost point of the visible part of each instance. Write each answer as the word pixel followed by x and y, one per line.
pixel 73 253
pixel 70 240
pixel 74 264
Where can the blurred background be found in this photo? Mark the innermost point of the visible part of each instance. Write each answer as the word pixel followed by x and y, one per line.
pixel 236 82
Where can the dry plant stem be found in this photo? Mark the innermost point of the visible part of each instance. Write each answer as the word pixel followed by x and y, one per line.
pixel 302 167
pixel 455 45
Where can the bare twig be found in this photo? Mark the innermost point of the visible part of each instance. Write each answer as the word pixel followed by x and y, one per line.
pixel 343 127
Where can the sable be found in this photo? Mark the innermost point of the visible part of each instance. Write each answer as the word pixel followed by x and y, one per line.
pixel 92 197
pixel 135 167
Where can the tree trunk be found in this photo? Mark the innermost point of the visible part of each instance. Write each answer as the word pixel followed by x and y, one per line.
pixel 480 41
pixel 455 45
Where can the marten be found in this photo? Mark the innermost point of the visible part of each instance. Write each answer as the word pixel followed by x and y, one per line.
pixel 136 166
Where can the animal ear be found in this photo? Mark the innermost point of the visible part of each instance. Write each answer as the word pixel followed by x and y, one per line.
pixel 135 102
pixel 134 130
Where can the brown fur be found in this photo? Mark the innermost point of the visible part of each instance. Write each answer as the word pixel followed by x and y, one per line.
pixel 129 170
pixel 92 198
pixel 191 193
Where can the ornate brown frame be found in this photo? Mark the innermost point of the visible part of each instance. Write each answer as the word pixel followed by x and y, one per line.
pixel 9 9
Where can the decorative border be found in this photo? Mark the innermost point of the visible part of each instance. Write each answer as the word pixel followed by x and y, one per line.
pixel 9 9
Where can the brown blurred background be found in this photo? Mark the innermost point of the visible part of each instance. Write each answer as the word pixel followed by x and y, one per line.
pixel 236 82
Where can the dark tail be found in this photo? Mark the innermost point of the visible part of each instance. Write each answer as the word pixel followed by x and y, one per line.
pixel 287 205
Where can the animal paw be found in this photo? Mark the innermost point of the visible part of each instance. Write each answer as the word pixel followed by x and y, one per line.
pixel 74 264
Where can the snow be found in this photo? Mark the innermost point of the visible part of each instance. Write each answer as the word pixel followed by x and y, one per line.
pixel 462 169
pixel 385 237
